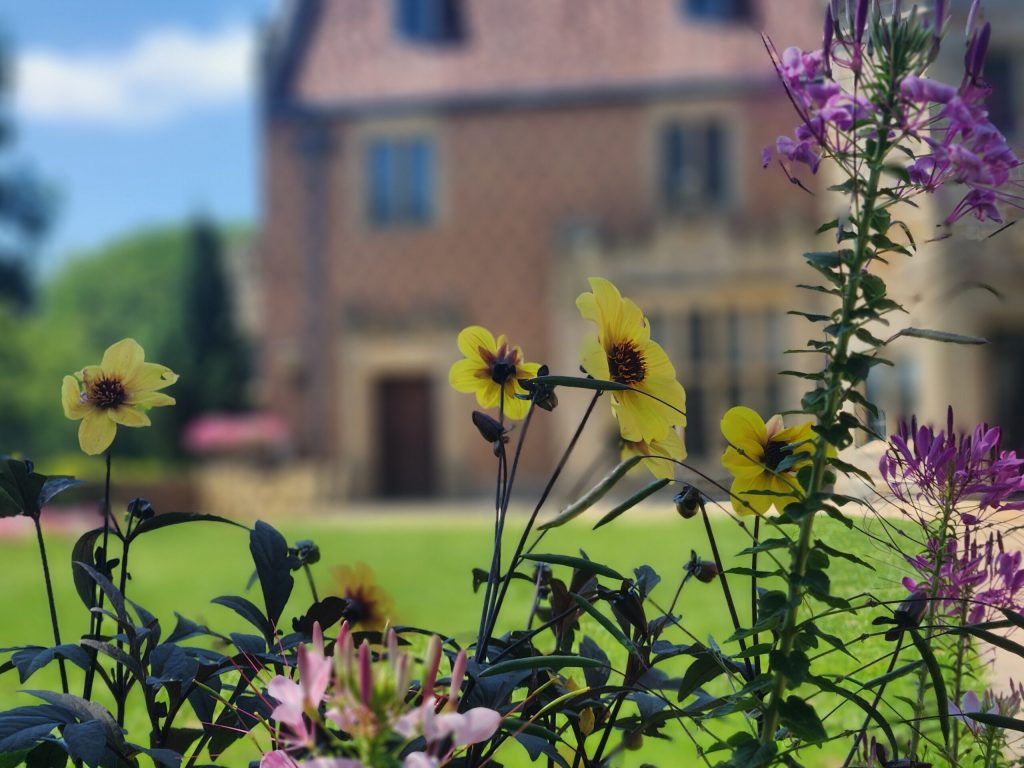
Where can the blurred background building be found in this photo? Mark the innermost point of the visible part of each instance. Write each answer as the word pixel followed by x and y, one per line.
pixel 431 164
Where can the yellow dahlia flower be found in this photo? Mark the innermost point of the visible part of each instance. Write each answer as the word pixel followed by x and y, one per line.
pixel 370 606
pixel 756 449
pixel 670 446
pixel 492 369
pixel 623 352
pixel 117 391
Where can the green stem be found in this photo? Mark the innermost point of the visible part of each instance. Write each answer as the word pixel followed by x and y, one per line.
pixel 50 600
pixel 312 585
pixel 828 419
pixel 96 619
pixel 933 607
pixel 963 646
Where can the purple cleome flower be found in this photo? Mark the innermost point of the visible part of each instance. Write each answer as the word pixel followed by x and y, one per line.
pixel 944 468
pixel 961 145
pixel 983 575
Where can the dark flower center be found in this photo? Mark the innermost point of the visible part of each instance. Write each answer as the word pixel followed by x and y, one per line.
pixel 774 453
pixel 626 363
pixel 361 607
pixel 502 363
pixel 107 393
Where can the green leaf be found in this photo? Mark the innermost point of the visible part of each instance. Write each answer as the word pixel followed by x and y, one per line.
pixel 938 684
pixel 605 622
pixel 702 670
pixel 270 554
pixel 999 721
pixel 594 495
pixel 943 336
pixel 580 563
pixel 801 720
pixel 827 685
pixel 84 552
pixel 833 552
pixel 540 662
pixel 581 382
pixel 796 666
pixel 633 500
pixel 176 518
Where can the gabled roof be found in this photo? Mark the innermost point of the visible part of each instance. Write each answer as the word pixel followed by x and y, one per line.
pixel 334 54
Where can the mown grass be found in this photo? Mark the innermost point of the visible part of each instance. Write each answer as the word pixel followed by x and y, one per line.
pixel 424 560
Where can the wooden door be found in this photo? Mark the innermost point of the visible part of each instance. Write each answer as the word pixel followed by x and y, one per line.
pixel 405 437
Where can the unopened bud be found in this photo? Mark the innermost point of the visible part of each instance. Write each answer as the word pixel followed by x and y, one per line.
pixel 633 741
pixel 913 608
pixel 543 395
pixel 140 509
pixel 489 428
pixel 688 502
pixel 704 571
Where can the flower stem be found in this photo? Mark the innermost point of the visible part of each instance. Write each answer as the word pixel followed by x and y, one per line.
pixel 50 600
pixel 312 584
pixel 933 603
pixel 834 371
pixel 514 562
pixel 725 587
pixel 96 619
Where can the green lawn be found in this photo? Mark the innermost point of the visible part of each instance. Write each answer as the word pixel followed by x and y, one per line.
pixel 424 560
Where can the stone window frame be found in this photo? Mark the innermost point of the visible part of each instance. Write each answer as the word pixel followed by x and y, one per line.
pixel 363 136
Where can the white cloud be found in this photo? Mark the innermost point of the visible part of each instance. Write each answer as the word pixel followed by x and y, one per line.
pixel 163 75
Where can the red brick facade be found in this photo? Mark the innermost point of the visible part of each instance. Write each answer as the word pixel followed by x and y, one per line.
pixel 545 120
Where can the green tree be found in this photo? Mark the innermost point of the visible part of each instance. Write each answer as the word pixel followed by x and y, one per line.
pixel 214 368
pixel 26 210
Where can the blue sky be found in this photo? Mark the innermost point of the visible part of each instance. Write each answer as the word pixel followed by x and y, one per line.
pixel 137 111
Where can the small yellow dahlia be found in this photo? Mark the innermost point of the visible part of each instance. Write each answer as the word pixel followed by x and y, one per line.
pixel 492 368
pixel 756 450
pixel 670 447
pixel 623 352
pixel 117 391
pixel 370 606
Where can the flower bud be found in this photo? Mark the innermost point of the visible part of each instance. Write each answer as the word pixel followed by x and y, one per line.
pixel 633 740
pixel 687 501
pixel 365 674
pixel 489 428
pixel 431 663
pixel 458 675
pixel 140 509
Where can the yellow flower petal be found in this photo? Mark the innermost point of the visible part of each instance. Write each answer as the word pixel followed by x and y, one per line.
pixel 749 504
pixel 514 407
pixel 474 338
pixel 151 376
pixel 96 432
pixel 741 465
pixel 670 447
pixel 745 430
pixel 671 399
pixel 642 417
pixel 71 399
pixel 123 358
pixel 151 399
pixel 594 359
pixel 128 416
pixel 466 375
pixel 488 395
